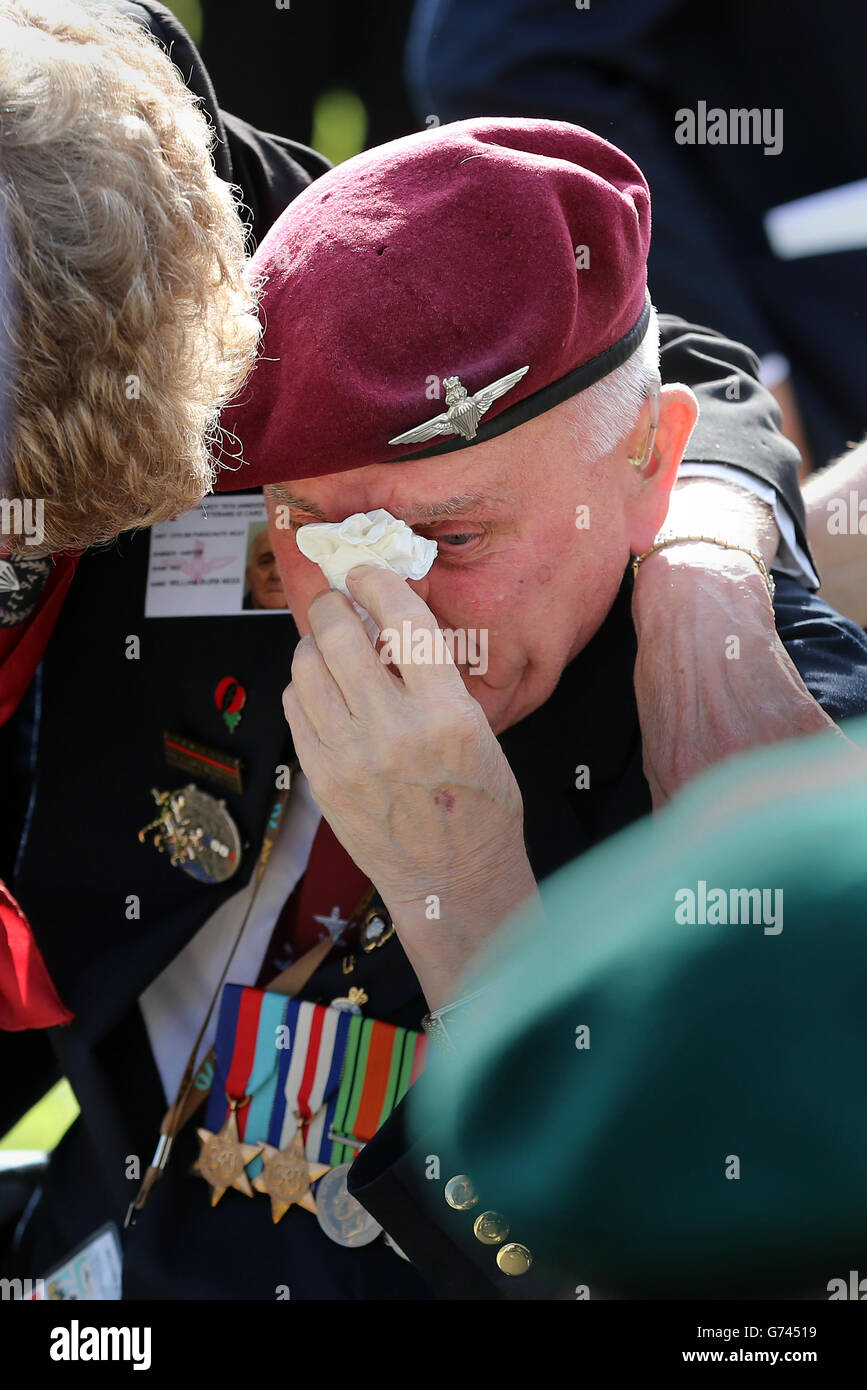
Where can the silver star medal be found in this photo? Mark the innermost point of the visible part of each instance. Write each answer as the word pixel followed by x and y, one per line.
pixel 464 411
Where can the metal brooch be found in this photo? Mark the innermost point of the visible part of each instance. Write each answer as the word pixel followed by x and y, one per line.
pixel 464 411
pixel 196 832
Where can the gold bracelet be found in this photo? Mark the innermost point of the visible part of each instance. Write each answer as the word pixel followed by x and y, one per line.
pixel 709 540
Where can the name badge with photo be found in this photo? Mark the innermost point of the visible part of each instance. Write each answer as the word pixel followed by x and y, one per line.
pixel 215 561
pixel 90 1273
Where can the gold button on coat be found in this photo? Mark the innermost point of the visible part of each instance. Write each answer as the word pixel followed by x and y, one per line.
pixel 491 1228
pixel 514 1258
pixel 460 1193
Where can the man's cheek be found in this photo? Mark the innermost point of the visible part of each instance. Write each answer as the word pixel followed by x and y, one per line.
pixel 474 594
pixel 302 581
pixel 470 614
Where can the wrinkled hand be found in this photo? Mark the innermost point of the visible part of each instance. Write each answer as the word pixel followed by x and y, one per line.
pixel 696 705
pixel 410 777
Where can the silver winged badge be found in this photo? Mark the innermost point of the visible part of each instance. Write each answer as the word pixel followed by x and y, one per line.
pixel 463 411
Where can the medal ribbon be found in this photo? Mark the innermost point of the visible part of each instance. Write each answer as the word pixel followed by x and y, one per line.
pixel 332 1070
pixel 196 1080
pixel 381 1063
pixel 244 1049
pixel 323 1098
pixel 262 1082
pixel 310 1075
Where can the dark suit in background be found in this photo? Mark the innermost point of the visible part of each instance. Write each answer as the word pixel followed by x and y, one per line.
pixel 623 68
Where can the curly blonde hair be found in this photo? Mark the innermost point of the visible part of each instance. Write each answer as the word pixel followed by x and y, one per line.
pixel 128 323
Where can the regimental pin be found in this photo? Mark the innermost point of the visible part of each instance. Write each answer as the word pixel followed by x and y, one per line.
pixel 464 411
pixel 333 922
pixel 350 1003
pixel 378 928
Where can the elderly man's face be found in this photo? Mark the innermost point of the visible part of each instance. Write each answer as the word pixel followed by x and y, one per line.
pixel 263 575
pixel 511 558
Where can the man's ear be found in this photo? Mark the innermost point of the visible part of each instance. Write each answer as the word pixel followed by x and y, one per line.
pixel 648 504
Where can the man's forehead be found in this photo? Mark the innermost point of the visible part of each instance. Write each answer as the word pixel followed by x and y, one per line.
pixel 415 511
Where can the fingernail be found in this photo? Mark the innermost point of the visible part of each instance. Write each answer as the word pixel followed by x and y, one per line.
pixel 358 573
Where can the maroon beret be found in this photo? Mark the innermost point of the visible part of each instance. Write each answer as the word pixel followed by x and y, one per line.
pixel 469 251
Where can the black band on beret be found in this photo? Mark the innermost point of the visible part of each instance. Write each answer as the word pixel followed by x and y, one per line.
pixel 545 399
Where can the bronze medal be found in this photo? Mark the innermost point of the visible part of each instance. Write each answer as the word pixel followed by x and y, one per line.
pixel 287 1177
pixel 223 1159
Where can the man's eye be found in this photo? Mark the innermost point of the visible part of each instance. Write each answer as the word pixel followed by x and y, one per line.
pixel 458 538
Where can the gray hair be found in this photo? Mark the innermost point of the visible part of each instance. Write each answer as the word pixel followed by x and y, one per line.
pixel 601 416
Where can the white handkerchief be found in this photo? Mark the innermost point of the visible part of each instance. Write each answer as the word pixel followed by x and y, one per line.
pixel 366 538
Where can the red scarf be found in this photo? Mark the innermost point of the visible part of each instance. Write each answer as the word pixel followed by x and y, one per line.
pixel 28 998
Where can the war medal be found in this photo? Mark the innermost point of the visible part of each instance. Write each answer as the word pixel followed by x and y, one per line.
pixel 342 1218
pixel 318 1081
pixel 197 833
pixel 287 1177
pixel 224 1158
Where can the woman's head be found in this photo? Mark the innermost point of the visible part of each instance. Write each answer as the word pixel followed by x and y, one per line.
pixel 128 324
